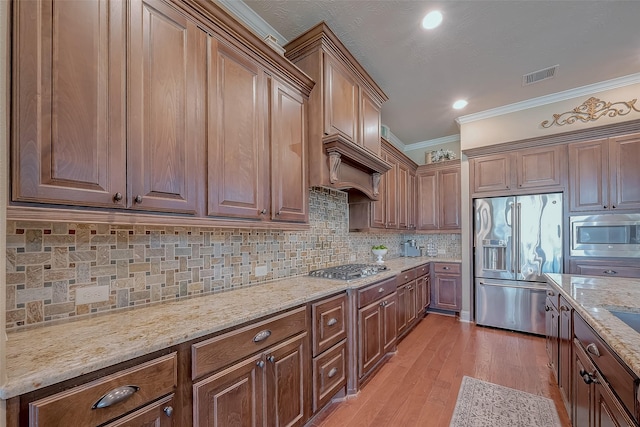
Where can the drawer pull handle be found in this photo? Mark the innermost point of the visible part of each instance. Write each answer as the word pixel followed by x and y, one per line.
pixel 332 321
pixel 115 396
pixel 333 372
pixel 381 290
pixel 262 335
pixel 610 272
pixel 591 348
pixel 446 268
pixel 271 359
pixel 168 411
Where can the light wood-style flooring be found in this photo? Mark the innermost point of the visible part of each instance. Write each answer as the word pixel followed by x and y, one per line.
pixel 419 385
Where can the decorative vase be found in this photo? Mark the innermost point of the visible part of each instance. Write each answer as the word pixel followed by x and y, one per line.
pixel 379 253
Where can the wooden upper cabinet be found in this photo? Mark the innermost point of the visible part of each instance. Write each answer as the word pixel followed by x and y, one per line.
pixel 167 78
pixel 439 197
pixel 391 198
pixel 604 174
pixel 492 173
pixel 588 175
pixel 68 102
pixel 624 172
pixel 238 172
pixel 370 123
pixel 403 196
pixel 341 105
pixel 289 188
pixel 511 172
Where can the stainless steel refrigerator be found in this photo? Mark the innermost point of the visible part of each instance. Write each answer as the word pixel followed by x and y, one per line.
pixel 516 240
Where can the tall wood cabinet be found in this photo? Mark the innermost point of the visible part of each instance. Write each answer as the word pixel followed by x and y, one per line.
pixel 438 197
pixel 604 174
pixel 446 290
pixel 148 105
pixel 344 114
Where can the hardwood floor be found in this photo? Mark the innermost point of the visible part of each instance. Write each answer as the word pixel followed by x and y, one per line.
pixel 419 385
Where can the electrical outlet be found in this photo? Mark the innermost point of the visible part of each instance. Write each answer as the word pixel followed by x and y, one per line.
pixel 92 294
pixel 261 270
pixel 352 257
pixel 441 252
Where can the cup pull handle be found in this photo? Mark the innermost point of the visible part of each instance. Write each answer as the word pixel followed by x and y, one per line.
pixel 332 372
pixel 116 395
pixel 262 335
pixel 593 349
pixel 332 321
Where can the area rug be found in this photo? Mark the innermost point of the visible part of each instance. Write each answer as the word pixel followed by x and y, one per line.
pixel 481 404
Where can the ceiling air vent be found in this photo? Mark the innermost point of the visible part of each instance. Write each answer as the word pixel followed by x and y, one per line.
pixel 538 76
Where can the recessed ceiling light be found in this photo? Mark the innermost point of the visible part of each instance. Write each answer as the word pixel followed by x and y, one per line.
pixel 460 104
pixel 432 20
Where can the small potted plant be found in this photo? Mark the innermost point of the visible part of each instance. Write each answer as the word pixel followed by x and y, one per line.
pixel 379 251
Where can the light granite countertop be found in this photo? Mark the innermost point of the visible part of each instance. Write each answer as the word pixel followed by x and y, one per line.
pixel 592 297
pixel 42 356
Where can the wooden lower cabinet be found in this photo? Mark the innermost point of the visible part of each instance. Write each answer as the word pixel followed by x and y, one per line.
pixel 407 306
pixel 564 351
pixel 158 414
pixel 608 412
pixel 272 384
pixel 446 291
pixel 582 388
pixel 552 334
pixel 377 331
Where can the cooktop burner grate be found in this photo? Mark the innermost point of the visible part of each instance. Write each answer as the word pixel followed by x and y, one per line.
pixel 348 271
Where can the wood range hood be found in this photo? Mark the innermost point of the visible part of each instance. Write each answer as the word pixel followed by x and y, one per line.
pixel 344 114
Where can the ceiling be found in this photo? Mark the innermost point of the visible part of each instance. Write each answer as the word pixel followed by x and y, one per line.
pixel 480 52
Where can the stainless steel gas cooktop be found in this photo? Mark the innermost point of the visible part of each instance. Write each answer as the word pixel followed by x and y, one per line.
pixel 348 271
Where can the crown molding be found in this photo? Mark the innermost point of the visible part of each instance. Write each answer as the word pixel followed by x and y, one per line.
pixel 251 19
pixel 552 98
pixel 396 142
pixel 431 142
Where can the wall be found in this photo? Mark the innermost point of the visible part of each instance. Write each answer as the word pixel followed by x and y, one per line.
pixel 136 265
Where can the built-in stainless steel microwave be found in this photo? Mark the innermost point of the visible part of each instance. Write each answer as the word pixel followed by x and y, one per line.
pixel 613 235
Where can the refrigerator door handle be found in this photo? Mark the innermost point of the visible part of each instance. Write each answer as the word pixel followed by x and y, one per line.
pixel 501 285
pixel 513 238
pixel 519 222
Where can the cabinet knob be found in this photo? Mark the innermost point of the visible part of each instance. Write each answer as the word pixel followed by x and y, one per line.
pixel 610 272
pixel 445 268
pixel 587 377
pixel 613 206
pixel 138 199
pixel 381 290
pixel 117 197
pixel 550 293
pixel 260 364
pixel 409 287
pixel 263 211
pixel 278 213
pixel 168 411
pixel 271 359
pixel 547 308
pixel 605 206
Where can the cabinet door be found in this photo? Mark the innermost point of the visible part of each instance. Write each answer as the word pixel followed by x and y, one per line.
pixel 68 143
pixel 564 356
pixel 412 302
pixel 447 292
pixel 492 173
pixel 391 193
pixel 238 179
pixel 403 196
pixel 588 176
pixel 389 316
pixel 287 383
pixel 158 414
pixel 412 196
pixel 231 397
pixel 551 331
pixel 582 392
pixel 427 291
pixel 624 172
pixel 541 167
pixel 449 199
pixel 607 410
pixel 289 188
pixel 370 123
pixel 402 311
pixel 166 129
pixel 428 200
pixel 341 101
pixel 370 337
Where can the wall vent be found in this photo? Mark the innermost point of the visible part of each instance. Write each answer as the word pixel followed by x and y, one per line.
pixel 538 76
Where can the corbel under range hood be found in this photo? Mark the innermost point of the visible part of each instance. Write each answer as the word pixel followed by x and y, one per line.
pixel 352 167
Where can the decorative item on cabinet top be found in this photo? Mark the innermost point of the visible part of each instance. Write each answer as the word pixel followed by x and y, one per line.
pixel 438 156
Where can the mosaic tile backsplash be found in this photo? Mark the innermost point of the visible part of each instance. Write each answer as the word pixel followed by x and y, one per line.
pixel 136 265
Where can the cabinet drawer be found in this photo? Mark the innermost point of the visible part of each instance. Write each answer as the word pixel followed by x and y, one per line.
pixel 614 372
pixel 376 291
pixel 217 352
pixel 74 407
pixel 446 267
pixel 329 322
pixel 606 269
pixel 422 270
pixel 157 414
pixel 329 375
pixel 406 277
